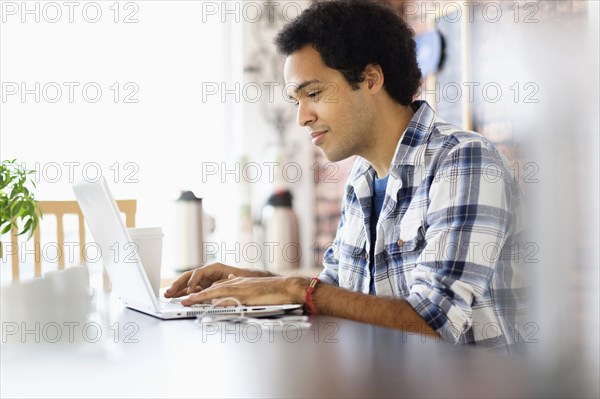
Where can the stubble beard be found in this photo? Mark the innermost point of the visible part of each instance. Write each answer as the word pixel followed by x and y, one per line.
pixel 357 140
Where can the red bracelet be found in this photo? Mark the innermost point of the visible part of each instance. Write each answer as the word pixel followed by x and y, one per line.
pixel 308 297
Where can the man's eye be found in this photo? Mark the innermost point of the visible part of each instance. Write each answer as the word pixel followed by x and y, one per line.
pixel 314 95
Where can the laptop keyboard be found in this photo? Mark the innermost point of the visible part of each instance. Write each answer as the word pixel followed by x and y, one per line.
pixel 175 304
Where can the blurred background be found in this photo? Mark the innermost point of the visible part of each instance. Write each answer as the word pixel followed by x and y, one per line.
pixel 164 96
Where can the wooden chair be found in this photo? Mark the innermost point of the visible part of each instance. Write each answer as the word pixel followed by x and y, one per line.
pixel 59 209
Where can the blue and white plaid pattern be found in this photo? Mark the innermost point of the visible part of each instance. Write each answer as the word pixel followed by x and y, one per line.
pixel 447 236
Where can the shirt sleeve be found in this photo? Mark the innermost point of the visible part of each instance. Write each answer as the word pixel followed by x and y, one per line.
pixel 468 222
pixel 330 273
pixel 331 258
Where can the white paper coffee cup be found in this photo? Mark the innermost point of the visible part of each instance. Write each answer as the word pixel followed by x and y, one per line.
pixel 149 242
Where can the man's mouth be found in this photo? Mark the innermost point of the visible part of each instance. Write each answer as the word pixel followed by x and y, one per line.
pixel 316 134
pixel 317 137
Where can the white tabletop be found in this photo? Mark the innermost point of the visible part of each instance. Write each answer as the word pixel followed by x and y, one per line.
pixel 333 358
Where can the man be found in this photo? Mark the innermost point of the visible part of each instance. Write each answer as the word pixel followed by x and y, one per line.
pixel 426 237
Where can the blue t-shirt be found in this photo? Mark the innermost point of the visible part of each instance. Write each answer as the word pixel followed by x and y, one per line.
pixel 376 205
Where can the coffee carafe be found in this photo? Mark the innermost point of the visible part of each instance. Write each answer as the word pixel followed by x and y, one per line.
pixel 281 235
pixel 189 247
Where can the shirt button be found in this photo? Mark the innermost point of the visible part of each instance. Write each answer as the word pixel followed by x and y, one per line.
pixel 367 256
pixel 400 243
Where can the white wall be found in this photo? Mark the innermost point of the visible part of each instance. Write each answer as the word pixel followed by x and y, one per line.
pixel 158 143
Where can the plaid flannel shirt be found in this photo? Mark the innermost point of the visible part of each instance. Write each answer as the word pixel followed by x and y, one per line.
pixel 447 236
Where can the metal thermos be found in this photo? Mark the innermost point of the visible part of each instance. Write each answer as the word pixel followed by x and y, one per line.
pixel 189 248
pixel 281 235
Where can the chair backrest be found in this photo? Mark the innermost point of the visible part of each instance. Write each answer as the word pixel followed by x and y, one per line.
pixel 59 209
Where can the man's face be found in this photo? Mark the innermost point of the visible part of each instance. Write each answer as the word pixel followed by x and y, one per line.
pixel 338 118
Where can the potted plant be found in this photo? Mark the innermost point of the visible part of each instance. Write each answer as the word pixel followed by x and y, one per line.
pixel 17 201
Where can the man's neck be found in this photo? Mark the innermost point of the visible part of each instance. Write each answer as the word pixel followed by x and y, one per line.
pixel 391 124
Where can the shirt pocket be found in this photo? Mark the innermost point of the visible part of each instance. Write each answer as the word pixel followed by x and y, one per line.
pixel 407 237
pixel 404 251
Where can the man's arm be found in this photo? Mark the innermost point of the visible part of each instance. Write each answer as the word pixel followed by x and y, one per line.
pixel 469 218
pixel 328 300
pixel 381 311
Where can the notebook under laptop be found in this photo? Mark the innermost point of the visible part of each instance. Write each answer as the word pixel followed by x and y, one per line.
pixel 127 274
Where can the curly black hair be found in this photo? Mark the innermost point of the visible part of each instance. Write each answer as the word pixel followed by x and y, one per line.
pixel 351 34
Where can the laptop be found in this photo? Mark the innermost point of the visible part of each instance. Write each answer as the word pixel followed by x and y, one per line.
pixel 127 274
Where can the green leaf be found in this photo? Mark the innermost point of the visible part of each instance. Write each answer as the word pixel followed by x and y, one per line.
pixel 26 227
pixel 36 220
pixel 15 210
pixel 6 229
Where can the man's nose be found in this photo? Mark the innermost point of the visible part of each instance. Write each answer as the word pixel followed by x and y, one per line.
pixel 306 115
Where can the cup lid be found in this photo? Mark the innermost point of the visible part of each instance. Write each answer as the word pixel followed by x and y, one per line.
pixel 145 231
pixel 188 196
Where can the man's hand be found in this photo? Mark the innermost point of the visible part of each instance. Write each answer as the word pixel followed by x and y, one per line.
pixel 254 291
pixel 205 276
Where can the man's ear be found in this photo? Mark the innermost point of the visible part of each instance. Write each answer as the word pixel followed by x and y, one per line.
pixel 374 78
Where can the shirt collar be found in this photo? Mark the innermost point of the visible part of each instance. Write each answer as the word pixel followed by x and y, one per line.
pixel 409 150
